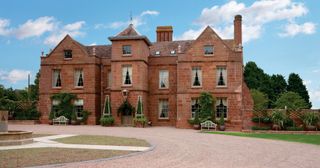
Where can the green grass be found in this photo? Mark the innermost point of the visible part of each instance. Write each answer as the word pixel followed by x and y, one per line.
pixel 102 140
pixel 45 156
pixel 302 138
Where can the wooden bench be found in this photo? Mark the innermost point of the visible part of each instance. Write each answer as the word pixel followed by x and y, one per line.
pixel 208 124
pixel 60 120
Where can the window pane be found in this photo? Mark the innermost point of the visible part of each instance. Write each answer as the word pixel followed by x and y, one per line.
pixel 208 50
pixel 126 49
pixel 78 78
pixel 221 107
pixel 127 75
pixel 196 76
pixel 221 76
pixel 67 53
pixel 163 109
pixel 78 107
pixel 56 81
pixel 164 79
pixel 195 107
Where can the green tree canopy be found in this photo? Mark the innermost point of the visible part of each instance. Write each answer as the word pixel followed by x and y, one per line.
pixel 295 84
pixel 278 86
pixel 260 99
pixel 292 101
pixel 206 102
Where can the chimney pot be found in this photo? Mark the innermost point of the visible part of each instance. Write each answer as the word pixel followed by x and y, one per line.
pixel 237 31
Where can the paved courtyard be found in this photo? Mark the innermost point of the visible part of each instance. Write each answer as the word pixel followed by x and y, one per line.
pixel 184 148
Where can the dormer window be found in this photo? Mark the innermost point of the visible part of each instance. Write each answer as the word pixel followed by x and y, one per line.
pixel 173 52
pixel 157 53
pixel 67 54
pixel 126 50
pixel 208 50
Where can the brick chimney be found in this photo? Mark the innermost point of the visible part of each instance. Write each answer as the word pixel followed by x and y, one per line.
pixel 237 30
pixel 164 33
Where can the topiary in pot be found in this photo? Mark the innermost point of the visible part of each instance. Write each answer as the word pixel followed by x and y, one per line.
pixel 222 124
pixel 140 121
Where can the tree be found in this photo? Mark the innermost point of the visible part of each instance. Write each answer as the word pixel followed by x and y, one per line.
pixel 278 86
pixel 295 84
pixel 260 100
pixel 291 100
pixel 65 106
pixel 34 89
pixel 206 102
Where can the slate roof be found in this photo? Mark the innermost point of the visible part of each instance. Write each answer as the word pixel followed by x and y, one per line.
pixel 165 47
pixel 102 51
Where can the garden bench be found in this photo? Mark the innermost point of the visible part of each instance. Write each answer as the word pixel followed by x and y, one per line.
pixel 208 124
pixel 60 120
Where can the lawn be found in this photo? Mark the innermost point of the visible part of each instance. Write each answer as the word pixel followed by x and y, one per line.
pixel 302 138
pixel 102 140
pixel 45 156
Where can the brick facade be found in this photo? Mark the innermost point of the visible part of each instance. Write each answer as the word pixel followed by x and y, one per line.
pixel 146 60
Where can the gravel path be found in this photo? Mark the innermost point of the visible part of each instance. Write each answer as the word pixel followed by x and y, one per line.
pixel 184 148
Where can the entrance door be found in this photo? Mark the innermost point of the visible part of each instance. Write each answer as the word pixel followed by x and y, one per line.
pixel 127 118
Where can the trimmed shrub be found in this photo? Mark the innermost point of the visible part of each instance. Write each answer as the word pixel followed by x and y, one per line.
pixel 294 129
pixel 260 128
pixel 106 120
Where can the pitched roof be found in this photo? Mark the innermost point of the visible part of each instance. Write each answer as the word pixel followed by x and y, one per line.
pixel 165 47
pixel 130 33
pixel 102 51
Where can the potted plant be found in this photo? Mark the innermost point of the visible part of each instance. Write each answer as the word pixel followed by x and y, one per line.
pixel 222 124
pixel 278 119
pixel 140 121
pixel 310 120
pixel 106 120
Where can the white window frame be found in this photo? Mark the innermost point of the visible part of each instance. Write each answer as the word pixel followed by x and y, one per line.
pixel 225 76
pixel 226 103
pixel 161 105
pixel 124 73
pixel 193 102
pixel 164 77
pixel 76 103
pixel 127 54
pixel 77 73
pixel 204 50
pixel 193 75
pixel 55 78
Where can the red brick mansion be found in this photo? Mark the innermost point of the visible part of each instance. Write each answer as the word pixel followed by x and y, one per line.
pixel 167 75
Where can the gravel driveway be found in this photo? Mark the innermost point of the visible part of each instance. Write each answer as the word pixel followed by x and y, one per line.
pixel 185 148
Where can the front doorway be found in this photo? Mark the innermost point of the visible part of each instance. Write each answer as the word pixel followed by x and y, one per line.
pixel 126 111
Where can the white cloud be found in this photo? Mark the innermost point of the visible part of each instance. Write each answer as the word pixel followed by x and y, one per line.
pixel 35 27
pixel 136 21
pixel 316 71
pixel 315 98
pixel 93 44
pixel 293 29
pixel 72 29
pixel 14 75
pixel 307 82
pixel 4 30
pixel 255 16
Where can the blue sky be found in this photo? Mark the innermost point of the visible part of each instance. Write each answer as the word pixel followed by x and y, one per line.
pixel 281 36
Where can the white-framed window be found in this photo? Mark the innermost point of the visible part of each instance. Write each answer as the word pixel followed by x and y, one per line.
pixel 54 107
pixel 221 107
pixel 78 108
pixel 109 79
pixel 127 75
pixel 173 52
pixel 163 79
pixel 107 108
pixel 163 109
pixel 221 76
pixel 208 50
pixel 56 80
pixel 126 49
pixel 78 78
pixel 67 54
pixel 196 77
pixel 195 107
pixel 157 53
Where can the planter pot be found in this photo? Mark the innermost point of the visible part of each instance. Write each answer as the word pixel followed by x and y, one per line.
pixel 276 127
pixel 196 126
pixel 222 127
pixel 50 122
pixel 139 125
pixel 311 128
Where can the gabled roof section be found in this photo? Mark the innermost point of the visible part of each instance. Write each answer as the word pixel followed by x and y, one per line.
pixel 165 47
pixel 208 29
pixel 102 51
pixel 130 33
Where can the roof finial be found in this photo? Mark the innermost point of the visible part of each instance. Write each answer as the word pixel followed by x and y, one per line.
pixel 131 22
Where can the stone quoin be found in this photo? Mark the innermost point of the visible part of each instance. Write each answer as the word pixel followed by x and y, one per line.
pixel 167 75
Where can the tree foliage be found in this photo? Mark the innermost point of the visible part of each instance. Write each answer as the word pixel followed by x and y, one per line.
pixel 65 106
pixel 291 100
pixel 207 110
pixel 260 100
pixel 295 84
